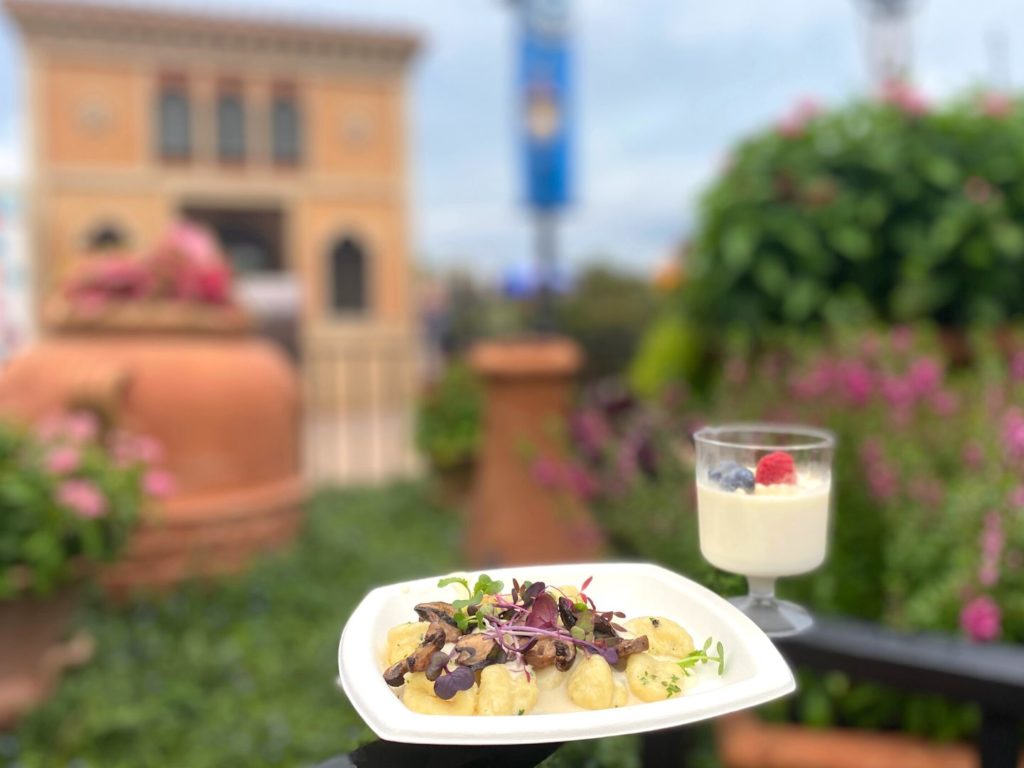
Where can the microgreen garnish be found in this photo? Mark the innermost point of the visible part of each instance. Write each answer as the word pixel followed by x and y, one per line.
pixel 450 683
pixel 693 658
pixel 466 617
pixel 671 686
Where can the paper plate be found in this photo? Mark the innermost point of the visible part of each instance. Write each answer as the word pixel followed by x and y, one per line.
pixel 755 671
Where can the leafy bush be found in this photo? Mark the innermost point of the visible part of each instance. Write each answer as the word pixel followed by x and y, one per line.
pixel 885 210
pixel 929 529
pixel 448 421
pixel 69 493
pixel 606 313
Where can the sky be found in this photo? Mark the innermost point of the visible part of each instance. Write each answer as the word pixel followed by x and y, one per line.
pixel 662 89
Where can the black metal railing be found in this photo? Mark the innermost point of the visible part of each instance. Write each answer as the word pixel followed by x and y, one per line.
pixel 992 676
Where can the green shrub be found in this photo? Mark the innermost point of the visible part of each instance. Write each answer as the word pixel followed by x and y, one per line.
pixel 448 421
pixel 885 211
pixel 929 493
pixel 70 493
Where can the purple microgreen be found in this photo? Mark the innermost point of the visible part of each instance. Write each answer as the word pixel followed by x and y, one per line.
pixel 586 584
pixel 450 683
pixel 544 612
pixel 618 628
pixel 531 592
pixel 438 662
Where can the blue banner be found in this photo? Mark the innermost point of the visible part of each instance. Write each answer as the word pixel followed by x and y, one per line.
pixel 546 123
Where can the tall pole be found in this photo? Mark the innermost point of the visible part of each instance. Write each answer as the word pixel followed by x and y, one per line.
pixel 546 253
pixel 889 45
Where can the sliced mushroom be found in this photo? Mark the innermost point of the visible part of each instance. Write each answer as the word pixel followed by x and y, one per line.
pixel 541 654
pixel 565 655
pixel 418 660
pixel 434 612
pixel 634 645
pixel 450 631
pixel 473 649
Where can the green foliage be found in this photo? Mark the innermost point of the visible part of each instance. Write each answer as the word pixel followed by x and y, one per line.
pixel 670 351
pixel 876 211
pixel 55 517
pixel 606 313
pixel 243 673
pixel 448 421
pixel 929 493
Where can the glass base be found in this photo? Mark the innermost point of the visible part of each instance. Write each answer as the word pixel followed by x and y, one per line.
pixel 776 618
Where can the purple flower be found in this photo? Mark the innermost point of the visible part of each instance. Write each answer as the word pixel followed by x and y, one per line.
pixel 580 482
pixel 981 618
pixel 1017 496
pixel 944 402
pixel 62 460
pixel 83 498
pixel 882 481
pixel 924 376
pixel 547 472
pixel 591 431
pixel 1017 366
pixel 973 455
pixel 897 392
pixel 856 381
pixel 1013 433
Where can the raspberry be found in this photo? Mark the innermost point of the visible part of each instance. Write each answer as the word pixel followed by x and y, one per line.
pixel 776 469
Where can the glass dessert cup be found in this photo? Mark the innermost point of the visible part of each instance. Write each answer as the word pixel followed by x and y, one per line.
pixel 763 507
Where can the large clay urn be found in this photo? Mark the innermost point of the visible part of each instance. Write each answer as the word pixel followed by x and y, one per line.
pixel 513 519
pixel 224 405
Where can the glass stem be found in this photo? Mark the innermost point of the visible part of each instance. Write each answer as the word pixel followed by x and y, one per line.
pixel 761 588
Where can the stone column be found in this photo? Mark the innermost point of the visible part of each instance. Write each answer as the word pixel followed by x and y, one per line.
pixel 512 519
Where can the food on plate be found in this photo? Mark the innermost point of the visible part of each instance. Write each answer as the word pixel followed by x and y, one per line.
pixel 535 649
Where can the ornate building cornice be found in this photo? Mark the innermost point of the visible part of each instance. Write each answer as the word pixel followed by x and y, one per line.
pixel 65 21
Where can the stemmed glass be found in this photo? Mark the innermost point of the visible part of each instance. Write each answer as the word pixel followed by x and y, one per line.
pixel 763 505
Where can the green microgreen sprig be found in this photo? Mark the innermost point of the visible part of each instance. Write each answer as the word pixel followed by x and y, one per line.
pixel 484 586
pixel 693 658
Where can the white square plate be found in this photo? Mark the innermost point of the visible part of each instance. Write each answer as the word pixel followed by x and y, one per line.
pixel 755 672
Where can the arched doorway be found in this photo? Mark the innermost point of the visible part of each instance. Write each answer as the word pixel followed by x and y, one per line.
pixel 104 238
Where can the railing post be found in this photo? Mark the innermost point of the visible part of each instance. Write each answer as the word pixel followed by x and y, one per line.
pixel 998 740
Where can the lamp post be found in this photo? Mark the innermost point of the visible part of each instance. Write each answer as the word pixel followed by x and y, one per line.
pixel 888 40
pixel 545 130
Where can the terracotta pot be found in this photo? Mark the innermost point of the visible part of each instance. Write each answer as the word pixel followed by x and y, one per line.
pixel 31 654
pixel 513 520
pixel 225 408
pixel 744 741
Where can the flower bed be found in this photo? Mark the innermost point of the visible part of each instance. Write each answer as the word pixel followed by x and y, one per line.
pixel 929 529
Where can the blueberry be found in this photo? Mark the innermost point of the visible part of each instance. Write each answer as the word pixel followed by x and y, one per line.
pixel 732 476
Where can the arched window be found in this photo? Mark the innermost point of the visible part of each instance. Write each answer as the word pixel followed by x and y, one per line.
pixel 348 277
pixel 106 237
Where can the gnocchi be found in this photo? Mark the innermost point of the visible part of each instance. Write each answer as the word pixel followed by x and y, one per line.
pixel 666 638
pixel 419 696
pixel 404 639
pixel 653 679
pixel 505 693
pixel 591 685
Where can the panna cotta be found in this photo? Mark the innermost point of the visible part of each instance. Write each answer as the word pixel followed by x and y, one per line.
pixel 763 530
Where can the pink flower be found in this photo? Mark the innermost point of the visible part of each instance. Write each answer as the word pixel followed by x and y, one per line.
pixel 1013 433
pixel 62 460
pixel 924 376
pixel 906 98
pixel 158 483
pixel 981 619
pixel 591 431
pixel 546 472
pixel 131 449
pixel 902 338
pixel 794 124
pixel 996 105
pixel 83 498
pixel 898 392
pixel 977 190
pixel 1017 496
pixel 856 381
pixel 580 482
pixel 973 455
pixel 736 370
pixel 81 426
pixel 944 403
pixel 988 574
pixel 1017 366
pixel 883 482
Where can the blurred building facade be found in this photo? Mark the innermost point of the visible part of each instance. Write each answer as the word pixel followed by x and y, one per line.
pixel 287 140
pixel 16 311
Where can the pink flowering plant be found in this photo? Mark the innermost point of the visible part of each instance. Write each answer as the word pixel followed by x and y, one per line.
pixel 185 265
pixel 71 490
pixel 929 484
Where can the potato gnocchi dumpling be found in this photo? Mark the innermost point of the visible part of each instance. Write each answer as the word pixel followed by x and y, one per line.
pixel 403 639
pixel 503 692
pixel 652 679
pixel 568 591
pixel 666 638
pixel 419 697
pixel 549 678
pixel 591 685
